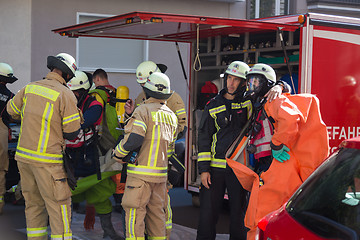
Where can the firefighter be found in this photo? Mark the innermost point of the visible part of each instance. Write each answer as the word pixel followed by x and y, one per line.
pixel 152 127
pixel 105 93
pixel 85 156
pixel 49 114
pixel 176 104
pixel 223 118
pixel 6 76
pixel 291 141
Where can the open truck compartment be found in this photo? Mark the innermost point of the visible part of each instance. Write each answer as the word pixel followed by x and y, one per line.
pixel 322 51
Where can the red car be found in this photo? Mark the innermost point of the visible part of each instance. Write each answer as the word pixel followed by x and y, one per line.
pixel 326 205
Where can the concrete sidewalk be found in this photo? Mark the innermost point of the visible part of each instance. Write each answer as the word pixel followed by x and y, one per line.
pixel 13 226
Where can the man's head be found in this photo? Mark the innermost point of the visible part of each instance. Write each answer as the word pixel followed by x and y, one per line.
pixel 157 86
pixel 63 62
pixel 235 77
pixel 100 77
pixel 80 84
pixel 260 79
pixel 145 69
pixel 6 73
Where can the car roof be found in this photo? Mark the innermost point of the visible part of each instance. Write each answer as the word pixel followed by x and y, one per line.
pixel 351 143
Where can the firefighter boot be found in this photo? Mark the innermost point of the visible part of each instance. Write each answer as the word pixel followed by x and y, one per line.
pixel 107 226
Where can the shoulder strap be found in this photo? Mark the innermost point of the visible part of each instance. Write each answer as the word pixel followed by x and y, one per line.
pixel 102 93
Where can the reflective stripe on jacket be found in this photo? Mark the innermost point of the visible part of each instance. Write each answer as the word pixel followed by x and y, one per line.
pixel 175 103
pixel 47 109
pixel 219 127
pixel 154 121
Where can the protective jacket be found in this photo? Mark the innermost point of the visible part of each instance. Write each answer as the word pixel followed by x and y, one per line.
pixel 51 112
pixel 5 95
pixel 175 103
pixel 157 134
pixel 221 122
pixel 299 126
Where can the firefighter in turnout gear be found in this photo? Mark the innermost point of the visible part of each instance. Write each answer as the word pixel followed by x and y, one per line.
pixel 6 76
pixel 92 188
pixel 176 104
pixel 152 128
pixel 49 114
pixel 223 119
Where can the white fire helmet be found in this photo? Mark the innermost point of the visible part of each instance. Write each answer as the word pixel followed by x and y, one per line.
pixel 81 80
pixel 158 86
pixel 238 69
pixel 7 73
pixel 144 70
pixel 64 62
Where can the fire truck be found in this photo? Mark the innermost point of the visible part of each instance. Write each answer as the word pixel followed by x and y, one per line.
pixel 319 53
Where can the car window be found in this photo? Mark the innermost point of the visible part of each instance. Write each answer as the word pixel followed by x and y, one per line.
pixel 328 203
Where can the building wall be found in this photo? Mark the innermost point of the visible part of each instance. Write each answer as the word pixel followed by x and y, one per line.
pixel 15 40
pixel 52 14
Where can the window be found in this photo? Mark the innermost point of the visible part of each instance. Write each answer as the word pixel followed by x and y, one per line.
pixel 110 54
pixel 268 8
pixel 328 203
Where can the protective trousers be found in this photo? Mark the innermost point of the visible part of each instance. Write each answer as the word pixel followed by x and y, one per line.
pixel 4 161
pixel 168 214
pixel 211 202
pixel 144 204
pixel 47 196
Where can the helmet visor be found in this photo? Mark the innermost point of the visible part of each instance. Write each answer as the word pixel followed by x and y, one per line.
pixel 255 82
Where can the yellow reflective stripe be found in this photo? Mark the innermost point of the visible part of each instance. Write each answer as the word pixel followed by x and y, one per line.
pixel 169 216
pixel 140 124
pixel 213 144
pixel 219 163
pixel 67 236
pixel 154 146
pixel 71 118
pixel 156 238
pixel 236 105
pixel 36 232
pixel 45 127
pixel 248 105
pixel 65 219
pixel 135 238
pixel 132 217
pixel 180 111
pixel 37 156
pixel 163 117
pixel 56 237
pixel 1 199
pixel 216 110
pixel 42 92
pixel 146 170
pixel 14 107
pixel 121 150
pixel 204 156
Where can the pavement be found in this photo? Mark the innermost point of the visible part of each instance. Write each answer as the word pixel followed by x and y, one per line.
pixel 185 217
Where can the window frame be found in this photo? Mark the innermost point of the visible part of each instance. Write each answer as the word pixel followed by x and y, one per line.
pixel 110 70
